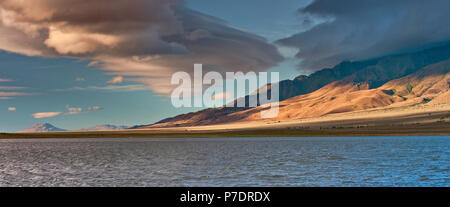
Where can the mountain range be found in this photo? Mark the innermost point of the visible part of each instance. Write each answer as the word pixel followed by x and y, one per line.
pixel 50 128
pixel 409 79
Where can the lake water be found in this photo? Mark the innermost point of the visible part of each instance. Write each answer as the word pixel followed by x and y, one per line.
pixel 315 161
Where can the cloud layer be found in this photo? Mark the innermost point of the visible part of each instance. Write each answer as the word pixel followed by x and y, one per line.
pixel 150 39
pixel 8 92
pixel 10 95
pixel 5 80
pixel 361 29
pixel 42 115
pixel 116 80
pixel 69 111
pixel 73 110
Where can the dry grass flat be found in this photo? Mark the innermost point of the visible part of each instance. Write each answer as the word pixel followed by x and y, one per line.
pixel 440 128
pixel 401 130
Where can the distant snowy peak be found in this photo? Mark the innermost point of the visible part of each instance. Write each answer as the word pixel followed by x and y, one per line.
pixel 43 128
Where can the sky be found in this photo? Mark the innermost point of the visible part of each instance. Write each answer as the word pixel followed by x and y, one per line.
pixel 77 64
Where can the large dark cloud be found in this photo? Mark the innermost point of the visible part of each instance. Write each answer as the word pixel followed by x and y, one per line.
pixel 361 29
pixel 150 39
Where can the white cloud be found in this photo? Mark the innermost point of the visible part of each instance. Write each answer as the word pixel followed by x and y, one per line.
pixel 70 111
pixel 73 110
pixel 41 115
pixel 11 88
pixel 95 108
pixel 5 80
pixel 116 80
pixel 93 63
pixel 12 109
pixel 78 43
pixel 111 88
pixel 14 94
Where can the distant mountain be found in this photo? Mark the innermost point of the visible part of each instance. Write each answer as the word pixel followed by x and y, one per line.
pixel 50 128
pixel 43 128
pixel 106 127
pixel 348 86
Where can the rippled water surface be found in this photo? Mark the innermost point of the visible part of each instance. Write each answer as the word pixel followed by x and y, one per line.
pixel 315 161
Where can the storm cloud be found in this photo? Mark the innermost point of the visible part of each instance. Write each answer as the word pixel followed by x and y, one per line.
pixel 362 29
pixel 146 39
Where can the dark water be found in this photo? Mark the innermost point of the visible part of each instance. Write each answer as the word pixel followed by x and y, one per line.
pixel 318 161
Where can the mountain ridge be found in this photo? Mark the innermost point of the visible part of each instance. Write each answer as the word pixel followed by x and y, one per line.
pixel 351 76
pixel 47 127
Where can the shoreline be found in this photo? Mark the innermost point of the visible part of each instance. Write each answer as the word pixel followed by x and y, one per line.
pixel 400 130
